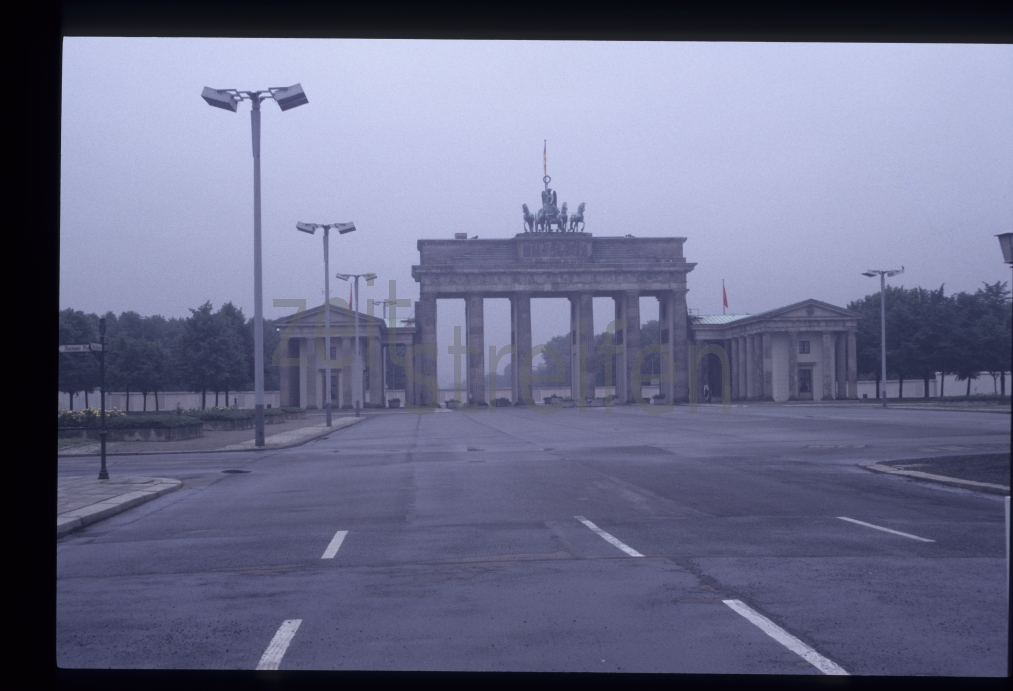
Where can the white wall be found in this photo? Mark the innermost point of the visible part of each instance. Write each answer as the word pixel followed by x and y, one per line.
pixel 915 388
pixel 167 400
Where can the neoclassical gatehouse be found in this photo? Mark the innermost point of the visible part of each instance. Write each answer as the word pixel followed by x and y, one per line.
pixel 802 352
pixel 301 357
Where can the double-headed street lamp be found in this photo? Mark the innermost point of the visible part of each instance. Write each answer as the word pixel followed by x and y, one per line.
pixel 311 228
pixel 287 97
pixel 357 374
pixel 1006 244
pixel 883 275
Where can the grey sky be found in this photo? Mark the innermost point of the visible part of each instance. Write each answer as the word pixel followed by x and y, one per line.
pixel 790 168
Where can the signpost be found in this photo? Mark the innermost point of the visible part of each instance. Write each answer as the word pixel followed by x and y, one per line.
pixel 100 349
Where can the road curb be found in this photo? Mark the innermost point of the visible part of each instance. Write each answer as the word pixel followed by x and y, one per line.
pixel 79 518
pixel 956 482
pixel 266 447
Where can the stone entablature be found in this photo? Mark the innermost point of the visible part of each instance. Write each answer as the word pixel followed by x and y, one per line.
pixel 551 265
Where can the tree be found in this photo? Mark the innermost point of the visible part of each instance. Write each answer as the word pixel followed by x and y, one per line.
pixel 150 374
pixel 201 353
pixel 237 355
pixel 77 371
pixel 994 330
pixel 124 362
pixel 555 353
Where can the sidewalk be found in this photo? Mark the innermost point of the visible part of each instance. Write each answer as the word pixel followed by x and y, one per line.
pixel 981 472
pixel 279 436
pixel 81 501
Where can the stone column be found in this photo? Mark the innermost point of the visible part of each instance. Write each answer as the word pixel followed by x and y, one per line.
pixel 840 366
pixel 290 374
pixel 631 343
pixel 666 385
pixel 410 363
pixel 303 402
pixel 312 377
pixel 852 365
pixel 828 370
pixel 793 365
pixel 680 345
pixel 743 375
pixel 427 384
pixel 733 362
pixel 475 340
pixel 768 367
pixel 375 360
pixel 345 372
pixel 582 370
pixel 621 371
pixel 520 338
pixel 750 368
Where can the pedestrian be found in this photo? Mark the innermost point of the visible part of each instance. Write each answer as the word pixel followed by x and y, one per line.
pixel 706 393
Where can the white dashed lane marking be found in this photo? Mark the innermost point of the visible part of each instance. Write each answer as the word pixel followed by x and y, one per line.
pixel 887 530
pixel 336 541
pixel 279 644
pixel 608 538
pixel 786 639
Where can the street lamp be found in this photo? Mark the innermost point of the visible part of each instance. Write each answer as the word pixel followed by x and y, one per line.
pixel 357 374
pixel 883 275
pixel 286 97
pixel 1006 243
pixel 311 228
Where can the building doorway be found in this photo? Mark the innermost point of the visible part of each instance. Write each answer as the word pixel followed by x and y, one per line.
pixel 805 383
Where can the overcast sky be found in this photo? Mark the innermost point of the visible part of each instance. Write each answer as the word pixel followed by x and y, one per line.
pixel 789 168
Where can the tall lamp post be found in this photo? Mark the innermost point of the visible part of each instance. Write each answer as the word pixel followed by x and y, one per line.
pixel 311 228
pixel 1006 243
pixel 357 375
pixel 883 275
pixel 287 97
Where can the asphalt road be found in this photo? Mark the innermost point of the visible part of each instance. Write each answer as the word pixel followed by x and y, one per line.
pixel 503 539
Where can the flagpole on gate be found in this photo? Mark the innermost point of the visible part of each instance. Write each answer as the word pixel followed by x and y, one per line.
pixel 724 297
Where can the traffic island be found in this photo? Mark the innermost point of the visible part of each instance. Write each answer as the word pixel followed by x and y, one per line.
pixel 982 472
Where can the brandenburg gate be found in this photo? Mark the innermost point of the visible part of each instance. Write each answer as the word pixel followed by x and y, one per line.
pixel 553 258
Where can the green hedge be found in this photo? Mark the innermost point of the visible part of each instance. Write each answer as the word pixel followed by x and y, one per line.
pixel 268 412
pixel 215 414
pixel 290 410
pixel 135 421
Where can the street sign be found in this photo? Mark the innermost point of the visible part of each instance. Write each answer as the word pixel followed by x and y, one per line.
pixel 87 347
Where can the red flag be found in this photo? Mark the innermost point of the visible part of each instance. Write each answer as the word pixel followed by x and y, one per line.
pixel 349 296
pixel 724 295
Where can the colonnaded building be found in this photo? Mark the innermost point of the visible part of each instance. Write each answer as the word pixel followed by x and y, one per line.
pixel 805 351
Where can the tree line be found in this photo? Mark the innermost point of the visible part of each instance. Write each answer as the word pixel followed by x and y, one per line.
pixel 964 334
pixel 207 352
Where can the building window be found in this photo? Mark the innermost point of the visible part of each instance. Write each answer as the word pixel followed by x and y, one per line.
pixel 664 335
pixel 334 352
pixel 803 347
